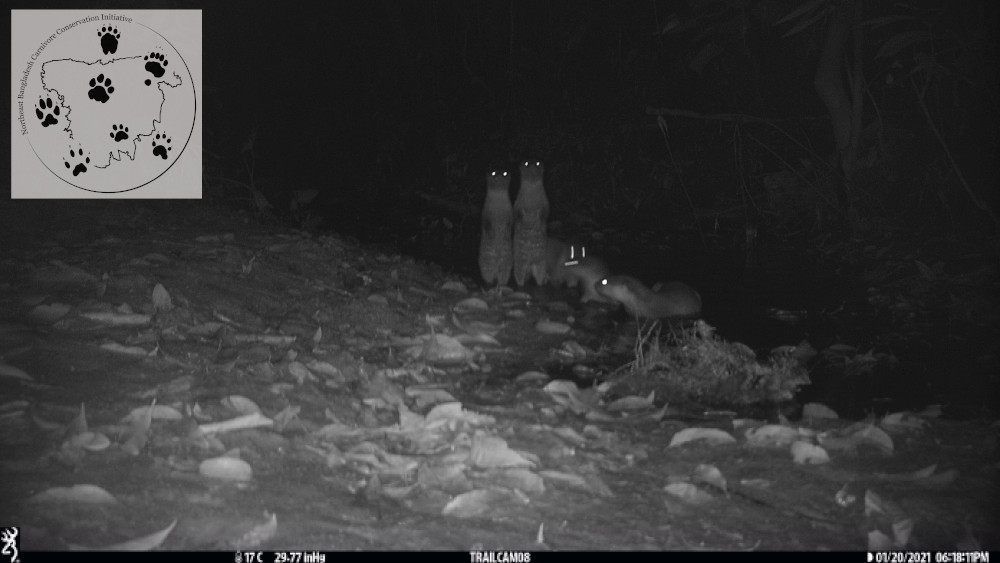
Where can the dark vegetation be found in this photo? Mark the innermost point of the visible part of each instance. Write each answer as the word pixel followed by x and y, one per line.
pixel 730 140
pixel 852 140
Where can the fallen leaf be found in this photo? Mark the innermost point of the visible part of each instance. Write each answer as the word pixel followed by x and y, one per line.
pixel 92 441
pixel 546 326
pixel 520 478
pixel 771 435
pixel 899 422
pixel 455 286
pixel 818 411
pixel 145 543
pixel 138 432
pixel 531 376
pixel 156 412
pixel 713 436
pixel 118 319
pixel 710 475
pixel 239 423
pixel 479 501
pixel 441 349
pixel 492 451
pixel 285 416
pixel 7 370
pixel 161 298
pixel 424 397
pixel 478 338
pixel 226 468
pixel 242 404
pixel 48 314
pixel 79 423
pixel 476 327
pixel 566 393
pixel 90 494
pixel 688 493
pixel 471 305
pixel 877 541
pixel 258 535
pixel 133 351
pixel 876 437
pixel 300 373
pixel 632 403
pixel 804 453
pixel 564 478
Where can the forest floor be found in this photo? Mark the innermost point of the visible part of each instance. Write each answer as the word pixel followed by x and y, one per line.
pixel 181 379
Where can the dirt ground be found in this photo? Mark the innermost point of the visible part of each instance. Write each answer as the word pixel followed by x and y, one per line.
pixel 192 380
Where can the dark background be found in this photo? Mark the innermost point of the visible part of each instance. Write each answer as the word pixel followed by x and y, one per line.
pixel 670 131
pixel 383 104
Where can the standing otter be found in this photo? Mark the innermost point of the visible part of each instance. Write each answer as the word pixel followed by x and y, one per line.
pixel 531 211
pixel 498 219
pixel 673 300
pixel 571 266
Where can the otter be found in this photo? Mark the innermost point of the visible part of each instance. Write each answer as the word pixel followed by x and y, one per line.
pixel 531 212
pixel 495 250
pixel 673 300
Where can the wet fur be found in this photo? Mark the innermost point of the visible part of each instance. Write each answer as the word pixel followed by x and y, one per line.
pixel 495 243
pixel 673 300
pixel 583 273
pixel 531 213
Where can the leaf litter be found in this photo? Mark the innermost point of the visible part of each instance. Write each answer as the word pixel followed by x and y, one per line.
pixel 378 399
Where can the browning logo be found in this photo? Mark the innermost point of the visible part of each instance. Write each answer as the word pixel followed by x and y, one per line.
pixel 10 545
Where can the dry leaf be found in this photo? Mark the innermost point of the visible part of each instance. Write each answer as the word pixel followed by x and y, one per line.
pixel 632 403
pixel 771 435
pixel 7 370
pixel 804 453
pixel 48 314
pixel 709 474
pixel 531 376
pixel 259 534
pixel 133 351
pixel 138 432
pixel 92 441
pixel 546 326
pixel 877 541
pixel 492 451
pixel 242 404
pixel 239 423
pixel 478 502
pixel 156 412
pixel 818 411
pixel 226 468
pixel 688 493
pixel 521 479
pixel 713 436
pixel 441 349
pixel 566 393
pixel 145 543
pixel 455 286
pixel 161 298
pixel 876 437
pixel 471 305
pixel 564 478
pixel 91 494
pixel 118 319
pixel 899 422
